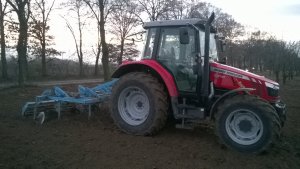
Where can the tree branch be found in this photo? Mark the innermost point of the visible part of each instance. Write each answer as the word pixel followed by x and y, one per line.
pixel 12 5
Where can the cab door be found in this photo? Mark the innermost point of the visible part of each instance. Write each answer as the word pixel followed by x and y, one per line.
pixel 178 58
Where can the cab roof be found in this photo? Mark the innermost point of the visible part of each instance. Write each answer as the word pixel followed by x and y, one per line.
pixel 182 22
pixel 177 23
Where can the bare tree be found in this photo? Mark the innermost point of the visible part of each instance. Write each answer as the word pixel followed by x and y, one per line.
pixel 40 21
pixel 129 52
pixel 3 8
pixel 153 8
pixel 176 9
pixel 77 7
pixel 101 10
pixel 22 9
pixel 123 22
pixel 224 22
pixel 97 52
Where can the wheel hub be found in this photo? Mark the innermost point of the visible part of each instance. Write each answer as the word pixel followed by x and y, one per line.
pixel 133 105
pixel 244 127
pixel 139 105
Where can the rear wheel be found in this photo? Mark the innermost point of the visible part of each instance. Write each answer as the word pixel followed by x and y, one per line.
pixel 139 104
pixel 247 124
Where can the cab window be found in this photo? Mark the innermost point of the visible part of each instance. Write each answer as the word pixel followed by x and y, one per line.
pixel 178 58
pixel 148 51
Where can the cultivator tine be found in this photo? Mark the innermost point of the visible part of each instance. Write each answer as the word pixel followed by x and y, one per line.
pixel 31 107
pixel 90 112
pixel 58 109
pixel 27 108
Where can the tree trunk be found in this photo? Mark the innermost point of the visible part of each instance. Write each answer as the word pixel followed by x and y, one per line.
pixel 96 70
pixel 277 76
pixel 3 46
pixel 121 52
pixel 81 72
pixel 26 56
pixel 43 52
pixel 22 48
pixel 97 60
pixel 81 67
pixel 244 62
pixel 260 64
pixel 105 61
pixel 80 45
pixel 284 76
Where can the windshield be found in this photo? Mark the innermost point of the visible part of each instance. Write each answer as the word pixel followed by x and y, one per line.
pixel 151 33
pixel 213 54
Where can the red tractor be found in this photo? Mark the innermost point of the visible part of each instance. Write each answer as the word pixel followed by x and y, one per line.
pixel 179 75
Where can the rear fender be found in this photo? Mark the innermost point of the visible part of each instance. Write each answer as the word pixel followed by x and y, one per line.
pixel 152 67
pixel 225 96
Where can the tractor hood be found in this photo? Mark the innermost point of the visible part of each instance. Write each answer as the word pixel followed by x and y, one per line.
pixel 219 70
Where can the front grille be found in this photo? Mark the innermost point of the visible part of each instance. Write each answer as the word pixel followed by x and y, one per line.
pixel 273 92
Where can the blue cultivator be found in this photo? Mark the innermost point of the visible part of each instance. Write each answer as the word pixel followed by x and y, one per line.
pixel 58 100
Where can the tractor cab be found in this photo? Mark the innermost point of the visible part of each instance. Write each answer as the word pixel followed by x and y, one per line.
pixel 179 47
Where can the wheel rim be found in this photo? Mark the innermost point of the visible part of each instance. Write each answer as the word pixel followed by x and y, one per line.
pixel 133 106
pixel 244 127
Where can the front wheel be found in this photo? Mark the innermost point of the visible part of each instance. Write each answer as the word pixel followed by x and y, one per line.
pixel 139 104
pixel 247 124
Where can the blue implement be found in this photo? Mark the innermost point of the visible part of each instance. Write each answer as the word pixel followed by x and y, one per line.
pixel 56 99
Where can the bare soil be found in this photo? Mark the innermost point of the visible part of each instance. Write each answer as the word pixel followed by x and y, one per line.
pixel 76 142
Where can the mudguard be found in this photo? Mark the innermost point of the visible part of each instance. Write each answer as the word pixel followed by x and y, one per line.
pixel 224 96
pixel 149 66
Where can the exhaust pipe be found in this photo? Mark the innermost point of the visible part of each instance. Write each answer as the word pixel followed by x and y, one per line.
pixel 205 76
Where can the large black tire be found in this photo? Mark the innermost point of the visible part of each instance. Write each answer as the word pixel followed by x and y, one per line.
pixel 139 104
pixel 281 115
pixel 247 124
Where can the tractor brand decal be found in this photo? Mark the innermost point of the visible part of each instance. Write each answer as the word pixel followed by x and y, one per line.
pixel 229 73
pixel 219 76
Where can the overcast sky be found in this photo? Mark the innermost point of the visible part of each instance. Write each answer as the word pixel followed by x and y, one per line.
pixel 278 17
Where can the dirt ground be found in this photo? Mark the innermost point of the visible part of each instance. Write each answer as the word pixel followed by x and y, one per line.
pixel 76 142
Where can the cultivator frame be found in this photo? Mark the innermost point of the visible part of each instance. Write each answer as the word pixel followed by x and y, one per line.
pixel 58 100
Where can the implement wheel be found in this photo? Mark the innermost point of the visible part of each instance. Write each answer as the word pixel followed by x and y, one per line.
pixel 139 104
pixel 247 124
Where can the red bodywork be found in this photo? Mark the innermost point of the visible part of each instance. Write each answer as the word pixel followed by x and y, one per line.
pixel 223 77
pixel 229 78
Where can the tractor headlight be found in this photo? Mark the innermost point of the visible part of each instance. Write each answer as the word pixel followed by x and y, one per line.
pixel 273 89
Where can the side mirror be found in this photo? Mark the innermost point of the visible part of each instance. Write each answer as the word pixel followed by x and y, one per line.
pixel 221 42
pixel 184 35
pixel 223 60
pixel 222 45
